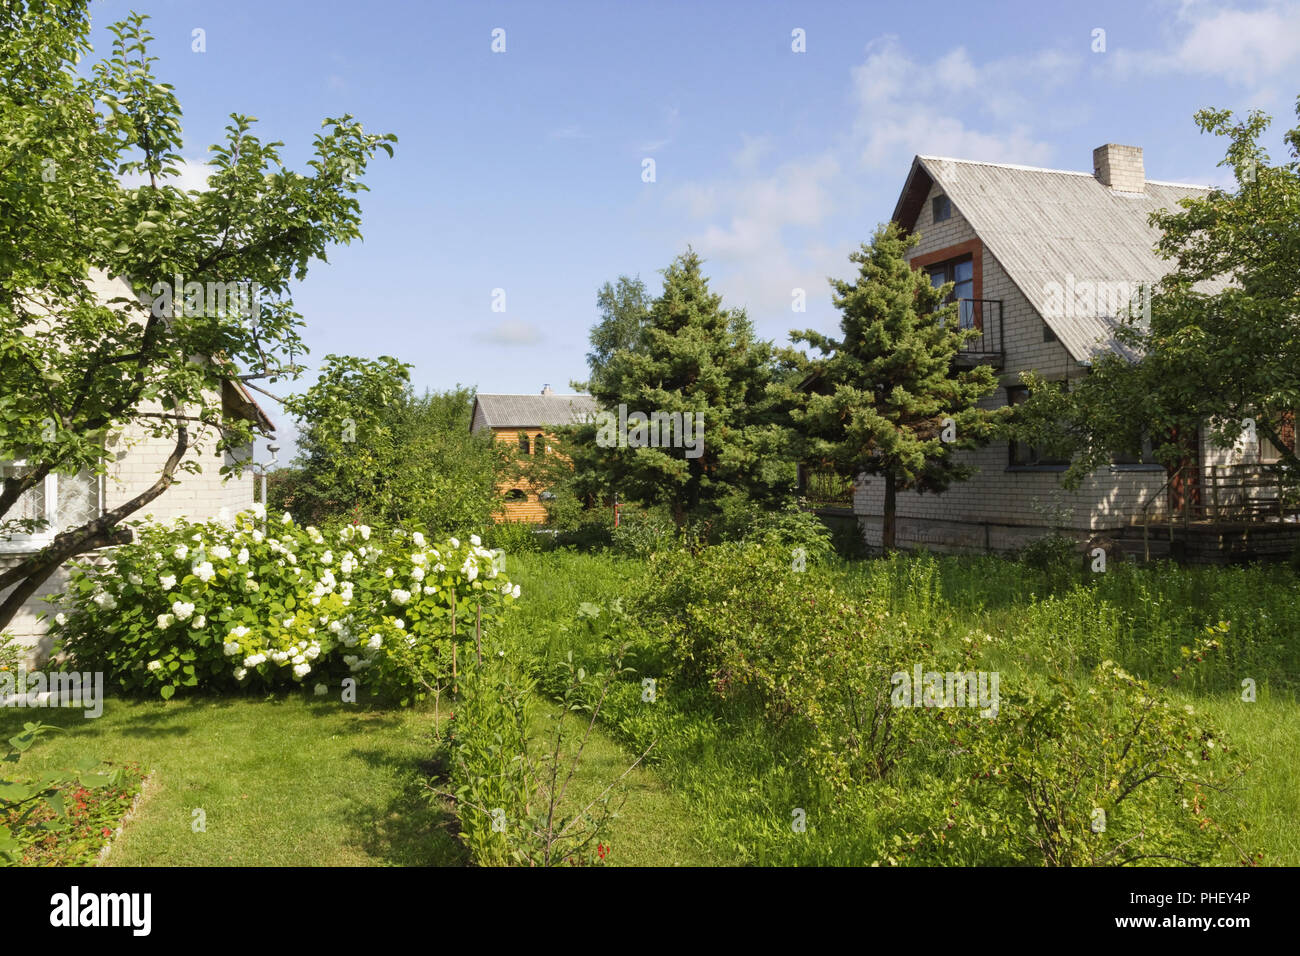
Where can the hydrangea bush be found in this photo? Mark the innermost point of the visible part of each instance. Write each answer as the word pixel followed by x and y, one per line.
pixel 261 602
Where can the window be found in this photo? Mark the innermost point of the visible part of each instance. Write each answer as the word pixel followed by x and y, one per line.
pixel 523 442
pixel 1048 334
pixel 940 208
pixel 961 273
pixel 516 494
pixel 1020 454
pixel 1284 425
pixel 1145 457
pixel 61 501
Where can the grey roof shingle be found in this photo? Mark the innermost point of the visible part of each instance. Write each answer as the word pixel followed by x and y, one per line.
pixel 532 411
pixel 1043 225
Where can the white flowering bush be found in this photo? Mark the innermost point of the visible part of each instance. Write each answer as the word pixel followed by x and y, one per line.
pixel 262 602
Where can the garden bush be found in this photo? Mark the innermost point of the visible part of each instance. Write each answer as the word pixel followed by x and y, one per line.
pixel 33 809
pixel 517 537
pixel 262 604
pixel 641 534
pixel 511 786
pixel 1108 771
pixel 775 698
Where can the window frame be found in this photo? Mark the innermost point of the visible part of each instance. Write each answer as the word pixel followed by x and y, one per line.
pixel 1032 461
pixel 23 543
pixel 37 539
pixel 1266 452
pixel 948 268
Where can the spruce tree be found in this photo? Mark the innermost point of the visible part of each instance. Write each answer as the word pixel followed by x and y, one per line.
pixel 703 362
pixel 885 399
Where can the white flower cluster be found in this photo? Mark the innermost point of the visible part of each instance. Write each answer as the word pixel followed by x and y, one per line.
pixel 208 571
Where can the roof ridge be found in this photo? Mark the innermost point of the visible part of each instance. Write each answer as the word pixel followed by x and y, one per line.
pixel 1045 169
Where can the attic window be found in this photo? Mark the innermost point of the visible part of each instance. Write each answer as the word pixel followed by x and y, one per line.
pixel 940 208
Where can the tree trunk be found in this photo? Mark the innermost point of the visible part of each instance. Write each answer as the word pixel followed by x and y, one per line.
pixel 27 577
pixel 887 524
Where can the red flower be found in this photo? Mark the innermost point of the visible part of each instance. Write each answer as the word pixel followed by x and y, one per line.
pixel 602 850
pixel 107 831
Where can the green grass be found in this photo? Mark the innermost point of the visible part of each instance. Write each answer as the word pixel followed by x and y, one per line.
pixel 729 774
pixel 281 782
pixel 293 781
pixel 1265 733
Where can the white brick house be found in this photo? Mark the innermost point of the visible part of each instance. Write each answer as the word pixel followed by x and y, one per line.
pixel 136 462
pixel 1041 259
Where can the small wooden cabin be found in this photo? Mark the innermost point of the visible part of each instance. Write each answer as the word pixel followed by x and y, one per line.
pixel 523 421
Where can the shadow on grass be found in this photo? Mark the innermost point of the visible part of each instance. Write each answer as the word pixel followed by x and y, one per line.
pixel 414 827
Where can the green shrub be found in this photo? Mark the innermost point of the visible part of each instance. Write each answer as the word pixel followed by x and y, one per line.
pixel 1056 556
pixel 31 809
pixel 644 533
pixel 593 533
pixel 225 606
pixel 12 654
pixel 517 537
pixel 1104 772
pixel 847 538
pixel 512 788
pixel 492 780
pixel 742 620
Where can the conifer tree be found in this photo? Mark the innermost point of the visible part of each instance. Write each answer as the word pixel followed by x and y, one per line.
pixel 885 398
pixel 702 362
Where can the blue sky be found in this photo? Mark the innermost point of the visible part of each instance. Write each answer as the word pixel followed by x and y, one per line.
pixel 522 170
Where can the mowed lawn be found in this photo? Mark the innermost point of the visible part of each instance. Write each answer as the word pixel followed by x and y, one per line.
pixel 297 781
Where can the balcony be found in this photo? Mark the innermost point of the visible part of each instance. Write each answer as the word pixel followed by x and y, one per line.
pixel 984 315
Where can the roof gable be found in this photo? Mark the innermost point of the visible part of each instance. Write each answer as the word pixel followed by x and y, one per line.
pixel 1051 230
pixel 531 411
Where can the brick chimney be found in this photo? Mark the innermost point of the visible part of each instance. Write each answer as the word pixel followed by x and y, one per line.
pixel 1119 167
pixel 546 390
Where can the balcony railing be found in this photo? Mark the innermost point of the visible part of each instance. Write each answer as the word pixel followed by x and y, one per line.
pixel 985 316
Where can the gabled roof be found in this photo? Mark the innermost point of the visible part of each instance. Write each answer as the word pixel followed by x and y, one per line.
pixel 532 411
pixel 238 400
pixel 1044 225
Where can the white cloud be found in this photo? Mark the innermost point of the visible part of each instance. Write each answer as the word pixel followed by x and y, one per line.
pixel 906 106
pixel 758 241
pixel 762 227
pixel 671 116
pixel 512 332
pixel 1244 47
pixel 754 148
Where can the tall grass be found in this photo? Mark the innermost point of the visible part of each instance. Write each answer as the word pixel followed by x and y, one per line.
pixel 740 786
